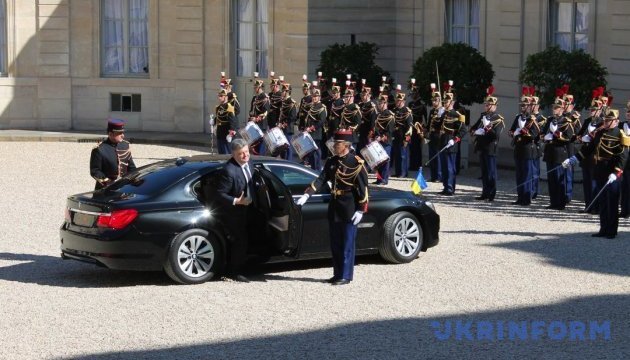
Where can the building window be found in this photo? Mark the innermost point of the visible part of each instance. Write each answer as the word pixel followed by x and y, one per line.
pixel 462 22
pixel 570 24
pixel 126 102
pixel 125 38
pixel 3 38
pixel 252 37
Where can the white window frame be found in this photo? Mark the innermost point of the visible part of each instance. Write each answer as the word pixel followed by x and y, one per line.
pixel 467 26
pixel 258 49
pixel 125 44
pixel 554 21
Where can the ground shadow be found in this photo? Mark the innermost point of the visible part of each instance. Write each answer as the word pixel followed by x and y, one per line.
pixel 418 337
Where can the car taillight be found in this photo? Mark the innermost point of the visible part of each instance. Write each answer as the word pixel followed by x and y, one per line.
pixel 118 219
pixel 67 215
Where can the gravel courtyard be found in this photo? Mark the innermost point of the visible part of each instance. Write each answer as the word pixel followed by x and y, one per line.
pixel 496 264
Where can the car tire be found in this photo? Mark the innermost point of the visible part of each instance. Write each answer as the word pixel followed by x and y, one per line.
pixel 402 238
pixel 194 257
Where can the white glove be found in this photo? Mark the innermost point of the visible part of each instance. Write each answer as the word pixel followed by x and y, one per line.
pixel 548 137
pixel 485 121
pixel 626 129
pixel 517 132
pixel 356 218
pixel 480 131
pixel 302 200
pixel 586 139
pixel 590 128
pixel 450 143
pixel 569 162
pixel 553 127
pixel 611 179
pixel 521 121
pixel 440 111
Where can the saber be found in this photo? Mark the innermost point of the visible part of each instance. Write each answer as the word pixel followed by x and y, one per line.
pixel 533 178
pixel 436 155
pixel 437 72
pixel 595 198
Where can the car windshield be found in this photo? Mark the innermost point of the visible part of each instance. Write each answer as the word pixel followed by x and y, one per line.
pixel 151 179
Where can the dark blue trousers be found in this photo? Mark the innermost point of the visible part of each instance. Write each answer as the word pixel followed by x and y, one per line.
pixel 288 153
pixel 315 159
pixel 625 193
pixel 436 168
pixel 384 169
pixel 589 185
pixel 342 245
pixel 449 170
pixel 557 185
pixel 223 146
pixel 525 170
pixel 536 182
pixel 569 176
pixel 609 208
pixel 488 175
pixel 400 158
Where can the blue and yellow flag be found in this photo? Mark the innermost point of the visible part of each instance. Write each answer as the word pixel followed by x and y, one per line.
pixel 419 184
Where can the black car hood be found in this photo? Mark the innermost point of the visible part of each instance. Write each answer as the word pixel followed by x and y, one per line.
pixel 385 193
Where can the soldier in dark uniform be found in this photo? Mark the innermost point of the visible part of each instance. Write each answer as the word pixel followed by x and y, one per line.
pixel 226 122
pixel 557 136
pixel 315 120
pixel 452 132
pixel 258 110
pixel 351 115
pixel 541 120
pixel 610 157
pixel 384 134
pixel 348 178
pixel 524 132
pixel 368 117
pixel 288 116
pixel 434 126
pixel 305 103
pixel 275 103
pixel 334 113
pixel 402 136
pixel 486 132
pixel 625 181
pixel 111 159
pixel 419 111
pixel 584 137
pixel 574 117
pixel 232 98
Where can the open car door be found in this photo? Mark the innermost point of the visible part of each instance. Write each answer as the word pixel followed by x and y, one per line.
pixel 284 218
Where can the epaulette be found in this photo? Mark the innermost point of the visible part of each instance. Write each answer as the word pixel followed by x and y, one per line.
pixel 462 117
pixel 230 108
pixel 359 160
pixel 625 140
pixel 98 144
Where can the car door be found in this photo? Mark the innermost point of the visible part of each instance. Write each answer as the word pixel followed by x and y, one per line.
pixel 284 217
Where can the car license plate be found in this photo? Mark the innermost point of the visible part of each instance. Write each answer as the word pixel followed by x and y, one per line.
pixel 81 219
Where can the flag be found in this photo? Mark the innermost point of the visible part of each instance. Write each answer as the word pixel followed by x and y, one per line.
pixel 419 184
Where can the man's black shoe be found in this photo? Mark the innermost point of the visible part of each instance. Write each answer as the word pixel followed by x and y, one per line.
pixel 341 282
pixel 517 202
pixel 446 193
pixel 481 198
pixel 331 280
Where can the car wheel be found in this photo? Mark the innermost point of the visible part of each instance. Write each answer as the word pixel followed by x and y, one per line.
pixel 193 257
pixel 402 238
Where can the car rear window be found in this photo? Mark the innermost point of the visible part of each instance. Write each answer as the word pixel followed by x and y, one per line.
pixel 152 179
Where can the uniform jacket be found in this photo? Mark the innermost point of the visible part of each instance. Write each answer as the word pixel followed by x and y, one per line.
pixel 558 148
pixel 368 117
pixel 316 117
pixel 334 117
pixel 305 104
pixel 385 123
pixel 608 152
pixel 434 124
pixel 110 161
pixel 226 119
pixel 525 142
pixel 288 115
pixel 403 122
pixel 275 105
pixel 259 107
pixel 350 119
pixel 453 128
pixel 493 125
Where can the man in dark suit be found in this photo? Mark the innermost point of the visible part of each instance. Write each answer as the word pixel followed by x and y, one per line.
pixel 234 193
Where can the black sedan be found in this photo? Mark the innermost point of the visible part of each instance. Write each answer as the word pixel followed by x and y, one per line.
pixel 160 218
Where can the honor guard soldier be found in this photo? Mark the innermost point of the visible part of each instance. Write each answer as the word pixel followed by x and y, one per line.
pixel 541 120
pixel 347 176
pixel 434 126
pixel 258 110
pixel 419 111
pixel 231 96
pixel 305 103
pixel 610 157
pixel 452 132
pixel 351 114
pixel 368 117
pixel 226 122
pixel 384 134
pixel 402 135
pixel 584 137
pixel 315 120
pixel 574 117
pixel 486 132
pixel 334 115
pixel 557 136
pixel 111 159
pixel 275 103
pixel 288 117
pixel 525 131
pixel 625 181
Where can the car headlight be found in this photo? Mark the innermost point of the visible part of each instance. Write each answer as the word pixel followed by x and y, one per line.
pixel 430 204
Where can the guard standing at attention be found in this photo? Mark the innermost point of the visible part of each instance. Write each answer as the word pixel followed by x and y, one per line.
pixel 487 131
pixel 349 189
pixel 258 110
pixel 334 113
pixel 434 126
pixel 524 132
pixel 305 103
pixel 315 120
pixel 384 134
pixel 288 116
pixel 111 159
pixel 452 132
pixel 541 120
pixel 232 98
pixel 419 111
pixel 585 136
pixel 226 122
pixel 275 103
pixel 351 114
pixel 368 117
pixel 402 135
